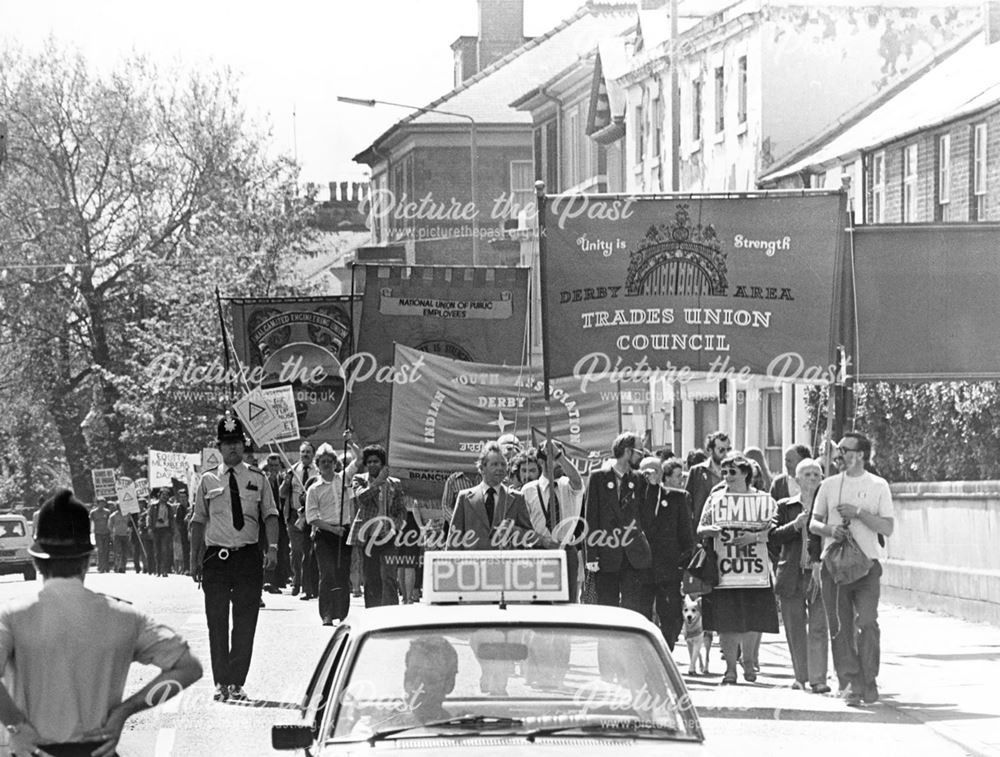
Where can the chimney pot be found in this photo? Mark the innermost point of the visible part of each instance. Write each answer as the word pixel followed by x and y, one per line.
pixel 333 191
pixel 343 191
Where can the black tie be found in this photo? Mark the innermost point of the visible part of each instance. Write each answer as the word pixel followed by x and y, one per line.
pixel 235 502
pixel 552 516
pixel 490 504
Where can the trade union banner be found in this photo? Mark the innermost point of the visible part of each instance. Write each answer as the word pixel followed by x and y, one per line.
pixel 463 313
pixel 926 302
pixel 745 566
pixel 447 408
pixel 304 343
pixel 674 285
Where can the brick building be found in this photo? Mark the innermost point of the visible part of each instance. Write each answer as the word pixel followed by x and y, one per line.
pixel 928 151
pixel 426 155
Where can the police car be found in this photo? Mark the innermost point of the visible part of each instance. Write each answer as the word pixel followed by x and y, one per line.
pixel 495 661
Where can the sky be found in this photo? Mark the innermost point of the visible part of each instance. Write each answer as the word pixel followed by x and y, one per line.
pixel 294 57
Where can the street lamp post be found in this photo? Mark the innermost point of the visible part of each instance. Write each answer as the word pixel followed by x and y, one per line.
pixel 371 103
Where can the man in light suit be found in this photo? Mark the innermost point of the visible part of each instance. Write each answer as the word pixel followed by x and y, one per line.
pixel 491 515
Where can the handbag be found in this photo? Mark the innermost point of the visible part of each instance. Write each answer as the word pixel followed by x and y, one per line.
pixel 845 561
pixel 702 572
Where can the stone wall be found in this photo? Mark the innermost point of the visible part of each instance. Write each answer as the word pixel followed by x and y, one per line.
pixel 944 554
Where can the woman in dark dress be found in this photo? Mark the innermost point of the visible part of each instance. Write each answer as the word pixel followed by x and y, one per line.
pixel 739 616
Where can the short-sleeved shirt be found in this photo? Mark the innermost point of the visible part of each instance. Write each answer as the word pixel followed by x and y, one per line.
pixel 867 491
pixel 118 524
pixel 65 655
pixel 99 517
pixel 212 506
pixel 536 498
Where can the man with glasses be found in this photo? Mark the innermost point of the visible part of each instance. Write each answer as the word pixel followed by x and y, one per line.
pixel 704 477
pixel 860 503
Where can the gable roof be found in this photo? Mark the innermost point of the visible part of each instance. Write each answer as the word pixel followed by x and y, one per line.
pixel 487 95
pixel 961 81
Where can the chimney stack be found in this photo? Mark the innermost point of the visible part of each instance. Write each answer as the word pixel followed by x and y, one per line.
pixel 501 29
pixel 343 191
pixel 991 20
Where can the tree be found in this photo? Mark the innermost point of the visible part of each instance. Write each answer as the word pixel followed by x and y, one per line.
pixel 125 200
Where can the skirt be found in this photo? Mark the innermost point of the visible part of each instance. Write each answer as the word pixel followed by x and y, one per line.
pixel 740 610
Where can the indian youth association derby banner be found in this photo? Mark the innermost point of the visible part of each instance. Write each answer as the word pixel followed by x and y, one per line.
pixel 463 313
pixel 446 409
pixel 303 343
pixel 702 284
pixel 745 566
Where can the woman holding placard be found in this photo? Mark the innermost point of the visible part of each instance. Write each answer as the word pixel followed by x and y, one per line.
pixel 742 607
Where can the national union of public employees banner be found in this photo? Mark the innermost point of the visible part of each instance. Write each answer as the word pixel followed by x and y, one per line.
pixel 708 283
pixel 448 408
pixel 474 314
pixel 304 343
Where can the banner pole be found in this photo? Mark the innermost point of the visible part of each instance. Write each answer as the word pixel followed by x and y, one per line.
pixel 540 209
pixel 225 349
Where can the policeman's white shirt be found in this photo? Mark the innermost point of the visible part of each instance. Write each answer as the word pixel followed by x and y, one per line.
pixel 536 497
pixel 65 655
pixel 212 506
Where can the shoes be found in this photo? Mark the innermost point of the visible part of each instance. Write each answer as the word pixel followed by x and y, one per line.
pixel 852 697
pixel 295 591
pixel 355 593
pixel 799 686
pixel 237 693
pixel 262 603
pixel 820 688
pixel 221 693
pixel 272 589
pixel 304 597
pixel 729 679
pixel 749 675
pixel 870 694
pixel 328 622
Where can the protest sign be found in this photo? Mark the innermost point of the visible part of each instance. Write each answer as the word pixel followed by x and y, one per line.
pixel 211 457
pixel 747 566
pixel 128 499
pixel 281 400
pixel 164 466
pixel 104 482
pixel 142 488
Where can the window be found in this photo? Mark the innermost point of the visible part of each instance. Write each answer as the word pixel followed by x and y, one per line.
pixel 522 191
pixel 640 136
pixel 696 110
pixel 978 204
pixel 910 183
pixel 547 156
pixel 573 153
pixel 720 100
pixel 741 82
pixel 771 411
pixel 943 178
pixel 657 125
pixel 878 188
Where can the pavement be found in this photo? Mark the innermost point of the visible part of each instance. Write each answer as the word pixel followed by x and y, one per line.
pixel 940 686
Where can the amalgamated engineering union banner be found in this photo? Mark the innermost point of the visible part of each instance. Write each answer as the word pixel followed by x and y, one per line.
pixel 714 284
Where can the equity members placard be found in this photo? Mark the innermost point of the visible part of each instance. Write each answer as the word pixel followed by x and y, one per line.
pixel 690 282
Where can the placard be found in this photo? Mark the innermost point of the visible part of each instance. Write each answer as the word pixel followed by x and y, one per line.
pixel 747 566
pixel 104 483
pixel 128 499
pixel 164 466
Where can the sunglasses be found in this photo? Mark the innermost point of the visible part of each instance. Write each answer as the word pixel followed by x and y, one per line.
pixel 849 449
pixel 732 471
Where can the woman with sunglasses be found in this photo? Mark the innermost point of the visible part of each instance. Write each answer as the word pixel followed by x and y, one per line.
pixel 738 615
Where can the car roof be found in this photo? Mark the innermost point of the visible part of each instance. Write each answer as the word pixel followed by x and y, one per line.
pixel 416 615
pixel 12 516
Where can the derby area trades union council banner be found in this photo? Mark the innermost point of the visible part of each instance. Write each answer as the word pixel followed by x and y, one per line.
pixel 695 282
pixel 447 408
pixel 473 314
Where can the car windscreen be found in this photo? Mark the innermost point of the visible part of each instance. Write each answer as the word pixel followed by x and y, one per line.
pixel 520 678
pixel 11 528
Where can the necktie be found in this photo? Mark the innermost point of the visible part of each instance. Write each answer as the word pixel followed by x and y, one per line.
pixel 490 504
pixel 552 515
pixel 235 502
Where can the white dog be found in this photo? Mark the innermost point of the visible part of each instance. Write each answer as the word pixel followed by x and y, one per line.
pixel 698 639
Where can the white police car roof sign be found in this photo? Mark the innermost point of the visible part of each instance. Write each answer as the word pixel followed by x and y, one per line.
pixel 495 575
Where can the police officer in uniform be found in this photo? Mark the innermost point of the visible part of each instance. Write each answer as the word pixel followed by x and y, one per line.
pixel 230 502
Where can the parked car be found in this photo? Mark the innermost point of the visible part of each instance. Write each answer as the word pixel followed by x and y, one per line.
pixel 14 542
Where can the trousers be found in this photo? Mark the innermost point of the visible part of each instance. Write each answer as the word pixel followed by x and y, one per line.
pixel 233 584
pixel 333 554
pixel 804 618
pixel 380 575
pixel 855 638
pixel 295 538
